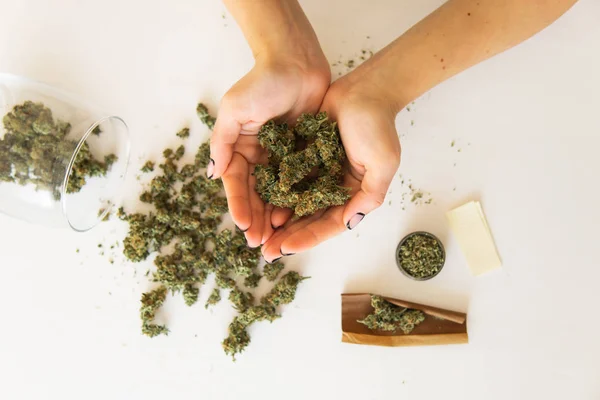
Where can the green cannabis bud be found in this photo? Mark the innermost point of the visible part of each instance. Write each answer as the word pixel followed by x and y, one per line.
pixel 184 133
pixel 284 291
pixel 305 180
pixel 205 116
pixel 389 317
pixel 35 150
pixel 252 280
pixel 271 271
pixel 147 167
pixel 241 300
pixel 151 302
pixel 214 298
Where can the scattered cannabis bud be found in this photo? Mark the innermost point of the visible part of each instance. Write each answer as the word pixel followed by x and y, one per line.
pixel 35 150
pixel 389 317
pixel 271 271
pixel 283 293
pixel 287 180
pixel 241 300
pixel 252 280
pixel 151 302
pixel 421 256
pixel 184 133
pixel 188 209
pixel 214 298
pixel 205 117
pixel 148 167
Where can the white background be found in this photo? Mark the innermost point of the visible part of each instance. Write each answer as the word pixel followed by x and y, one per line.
pixel 69 321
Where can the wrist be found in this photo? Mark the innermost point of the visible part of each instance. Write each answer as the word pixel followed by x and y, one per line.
pixel 277 31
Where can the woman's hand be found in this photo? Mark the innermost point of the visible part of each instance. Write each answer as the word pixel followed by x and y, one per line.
pixel 366 120
pixel 290 77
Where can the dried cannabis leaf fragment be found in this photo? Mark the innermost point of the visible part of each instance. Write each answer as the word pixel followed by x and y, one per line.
pixel 151 302
pixel 35 150
pixel 389 317
pixel 305 180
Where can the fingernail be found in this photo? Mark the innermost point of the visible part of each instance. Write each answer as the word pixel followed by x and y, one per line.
pixel 210 169
pixel 355 220
pixel 274 261
pixel 243 230
pixel 274 227
pixel 286 254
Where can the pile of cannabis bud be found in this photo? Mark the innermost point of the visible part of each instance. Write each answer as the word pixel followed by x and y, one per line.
pixel 305 180
pixel 35 150
pixel 421 255
pixel 188 209
pixel 389 317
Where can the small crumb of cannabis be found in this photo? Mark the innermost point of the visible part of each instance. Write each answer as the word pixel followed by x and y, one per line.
pixel 151 302
pixel 287 180
pixel 35 150
pixel 148 167
pixel 391 318
pixel 184 133
pixel 271 271
pixel 421 256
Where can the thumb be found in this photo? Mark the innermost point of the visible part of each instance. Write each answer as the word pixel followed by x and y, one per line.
pixel 225 134
pixel 373 189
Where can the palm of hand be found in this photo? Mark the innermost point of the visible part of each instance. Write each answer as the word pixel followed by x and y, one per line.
pixel 267 92
pixel 369 136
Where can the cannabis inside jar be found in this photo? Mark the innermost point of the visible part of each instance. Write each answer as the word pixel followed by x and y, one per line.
pixel 420 255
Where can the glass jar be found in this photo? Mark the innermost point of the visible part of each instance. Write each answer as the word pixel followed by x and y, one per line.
pixel 62 161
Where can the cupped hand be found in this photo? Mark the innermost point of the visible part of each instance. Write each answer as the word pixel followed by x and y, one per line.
pixel 367 127
pixel 279 89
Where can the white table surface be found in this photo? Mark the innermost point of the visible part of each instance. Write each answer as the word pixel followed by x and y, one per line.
pixel 526 121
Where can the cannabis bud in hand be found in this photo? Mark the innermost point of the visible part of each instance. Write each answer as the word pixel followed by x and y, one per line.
pixel 304 180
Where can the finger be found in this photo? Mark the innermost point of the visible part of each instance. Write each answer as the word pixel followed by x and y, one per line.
pixel 235 181
pixel 254 235
pixel 226 132
pixel 316 232
pixel 373 189
pixel 280 216
pixel 272 248
pixel 267 227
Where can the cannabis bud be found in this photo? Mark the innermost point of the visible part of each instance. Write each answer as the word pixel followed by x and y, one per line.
pixel 389 317
pixel 305 180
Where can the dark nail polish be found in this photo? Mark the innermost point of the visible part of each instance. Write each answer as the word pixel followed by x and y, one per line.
pixel 210 169
pixel 286 255
pixel 274 261
pixel 355 220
